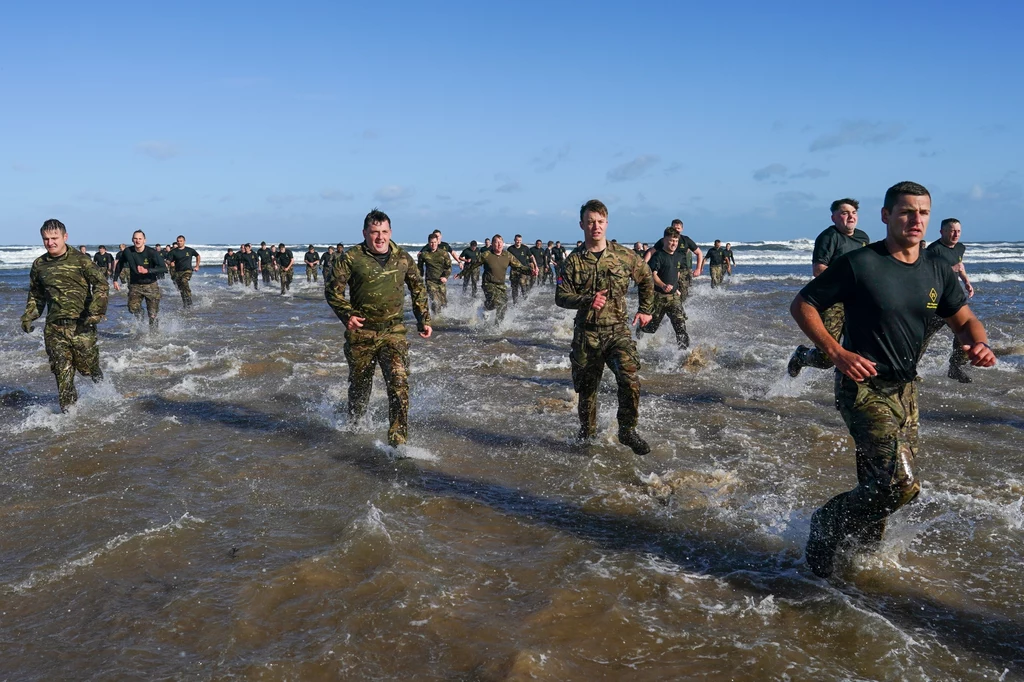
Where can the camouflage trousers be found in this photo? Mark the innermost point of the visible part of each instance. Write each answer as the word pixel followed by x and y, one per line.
pixel 124 276
pixel 437 292
pixel 882 418
pixel 232 276
pixel 181 280
pixel 717 273
pixel 593 347
pixel 286 280
pixel 833 319
pixel 275 274
pixel 471 279
pixel 311 273
pixel 546 276
pixel 267 272
pixel 958 358
pixel 71 346
pixel 252 277
pixel 520 285
pixel 365 349
pixel 150 293
pixel 671 305
pixel 496 298
pixel 683 285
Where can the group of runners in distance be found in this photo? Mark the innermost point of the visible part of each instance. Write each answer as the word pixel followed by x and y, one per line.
pixel 868 311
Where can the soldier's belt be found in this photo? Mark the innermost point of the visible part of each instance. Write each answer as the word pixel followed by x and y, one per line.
pixel 380 326
pixel 591 326
pixel 65 322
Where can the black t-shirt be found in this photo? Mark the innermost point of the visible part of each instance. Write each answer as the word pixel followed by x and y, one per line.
pixel 312 257
pixel 558 254
pixel 668 265
pixel 521 252
pixel 716 255
pixel 248 260
pixel 539 255
pixel 952 255
pixel 284 258
pixel 181 259
pixel 103 261
pixel 470 254
pixel 148 258
pixel 888 304
pixel 231 259
pixel 832 244
pixel 264 255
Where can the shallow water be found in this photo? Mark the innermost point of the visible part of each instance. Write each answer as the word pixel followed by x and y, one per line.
pixel 207 512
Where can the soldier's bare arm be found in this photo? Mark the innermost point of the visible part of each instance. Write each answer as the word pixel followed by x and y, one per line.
pixel 971 332
pixel 808 318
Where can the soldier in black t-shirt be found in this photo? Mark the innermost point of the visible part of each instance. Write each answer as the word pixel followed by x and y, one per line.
pixel 469 256
pixel 312 259
pixel 951 250
pixel 266 258
pixel 839 239
pixel 180 258
pixel 890 291
pixel 686 247
pixel 249 266
pixel 667 266
pixel 285 266
pixel 730 260
pixel 540 258
pixel 230 266
pixel 104 261
pixel 144 265
pixel 716 260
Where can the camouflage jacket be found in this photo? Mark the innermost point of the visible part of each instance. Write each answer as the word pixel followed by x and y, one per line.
pixel 496 265
pixel 584 274
pixel 434 264
pixel 375 292
pixel 70 287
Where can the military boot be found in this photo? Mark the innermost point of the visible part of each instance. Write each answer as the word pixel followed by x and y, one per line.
pixel 632 440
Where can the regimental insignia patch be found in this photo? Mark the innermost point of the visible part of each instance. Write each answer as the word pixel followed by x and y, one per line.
pixel 933 299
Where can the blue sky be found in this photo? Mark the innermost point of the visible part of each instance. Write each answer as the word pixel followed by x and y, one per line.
pixel 288 122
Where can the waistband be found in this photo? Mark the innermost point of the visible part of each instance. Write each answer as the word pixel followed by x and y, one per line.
pixel 381 326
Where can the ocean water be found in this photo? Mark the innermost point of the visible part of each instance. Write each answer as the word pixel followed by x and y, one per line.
pixel 207 511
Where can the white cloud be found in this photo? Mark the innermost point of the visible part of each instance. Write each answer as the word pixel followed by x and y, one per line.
pixel 631 170
pixel 860 132
pixel 775 170
pixel 393 193
pixel 157 149
pixel 336 195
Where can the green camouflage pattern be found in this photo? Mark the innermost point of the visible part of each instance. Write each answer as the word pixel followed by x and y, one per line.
pixel 883 419
pixel 602 337
pixel 833 318
pixel 583 275
pixel 717 273
pixel 434 265
pixel 286 279
pixel 364 350
pixel 437 293
pixel 69 287
pixel 150 293
pixel 312 272
pixel 672 305
pixel 70 347
pixel 496 298
pixel 376 293
pixel 520 285
pixel 181 280
pixel 594 348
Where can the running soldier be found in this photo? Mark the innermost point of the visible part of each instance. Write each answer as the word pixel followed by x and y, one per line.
pixel 540 259
pixel 117 259
pixel 230 266
pixel 716 259
pixel 549 257
pixel 180 258
pixel 469 256
pixel 667 266
pixel 730 259
pixel 839 239
pixel 326 262
pixel 375 272
pixel 890 290
pixel 594 282
pixel 688 248
pixel 521 282
pixel 558 259
pixel 950 249
pixel 144 265
pixel 266 258
pixel 104 261
pixel 285 267
pixel 435 264
pixel 495 263
pixel 74 293
pixel 312 259
pixel 249 265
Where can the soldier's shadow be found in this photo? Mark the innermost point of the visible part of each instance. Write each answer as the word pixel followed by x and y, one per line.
pixel 758 572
